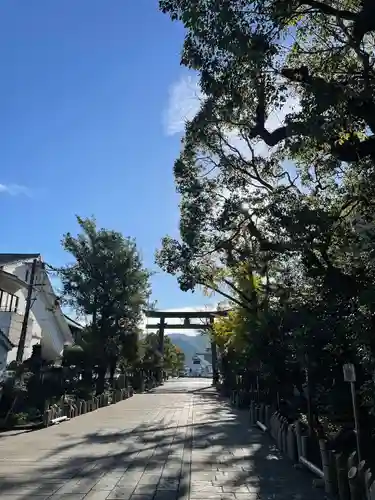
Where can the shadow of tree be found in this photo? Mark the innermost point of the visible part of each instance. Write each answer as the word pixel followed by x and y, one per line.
pixel 192 447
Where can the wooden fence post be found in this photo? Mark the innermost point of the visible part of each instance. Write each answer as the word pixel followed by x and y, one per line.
pixel 354 485
pixel 342 476
pixel 327 467
pixel 298 432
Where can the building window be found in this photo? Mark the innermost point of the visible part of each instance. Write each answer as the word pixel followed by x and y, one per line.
pixel 8 301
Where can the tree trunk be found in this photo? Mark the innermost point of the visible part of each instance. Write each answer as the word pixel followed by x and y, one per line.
pixel 87 377
pixel 100 383
pixel 112 370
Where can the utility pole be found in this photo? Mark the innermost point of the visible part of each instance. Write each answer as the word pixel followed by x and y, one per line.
pixel 21 344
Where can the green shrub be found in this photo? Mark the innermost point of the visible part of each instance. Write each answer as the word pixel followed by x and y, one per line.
pixel 19 418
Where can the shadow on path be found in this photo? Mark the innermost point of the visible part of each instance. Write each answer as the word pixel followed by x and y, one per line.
pixel 188 446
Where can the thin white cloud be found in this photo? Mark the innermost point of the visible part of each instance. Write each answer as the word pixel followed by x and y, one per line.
pixel 14 189
pixel 185 97
pixel 184 101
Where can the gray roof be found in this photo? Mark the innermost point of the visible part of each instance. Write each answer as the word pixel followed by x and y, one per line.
pixel 6 342
pixel 8 258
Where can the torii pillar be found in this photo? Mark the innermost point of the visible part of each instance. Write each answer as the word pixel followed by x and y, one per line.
pixel 162 326
pixel 215 371
pixel 186 316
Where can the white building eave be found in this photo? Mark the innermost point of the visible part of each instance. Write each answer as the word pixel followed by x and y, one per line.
pixel 12 282
pixel 51 301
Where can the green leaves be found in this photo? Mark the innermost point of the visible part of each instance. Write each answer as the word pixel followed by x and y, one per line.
pixel 107 283
pixel 276 178
pixel 172 360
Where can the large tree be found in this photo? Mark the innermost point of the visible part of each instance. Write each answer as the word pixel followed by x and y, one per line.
pixel 108 284
pixel 277 171
pixel 257 61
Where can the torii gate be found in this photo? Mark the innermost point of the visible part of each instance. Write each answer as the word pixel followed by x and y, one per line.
pixel 187 325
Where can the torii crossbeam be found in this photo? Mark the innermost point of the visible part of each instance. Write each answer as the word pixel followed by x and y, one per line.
pixel 186 316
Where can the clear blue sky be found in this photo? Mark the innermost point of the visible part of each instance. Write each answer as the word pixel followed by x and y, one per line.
pixel 84 88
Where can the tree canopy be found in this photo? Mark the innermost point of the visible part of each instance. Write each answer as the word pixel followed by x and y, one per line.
pixel 108 284
pixel 261 63
pixel 276 178
pixel 171 360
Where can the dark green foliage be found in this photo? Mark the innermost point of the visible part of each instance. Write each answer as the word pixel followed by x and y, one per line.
pixel 108 285
pixel 171 360
pixel 287 190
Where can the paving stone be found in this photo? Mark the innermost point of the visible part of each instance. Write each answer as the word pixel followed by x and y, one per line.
pixel 68 496
pixel 106 483
pixel 167 495
pixel 47 489
pixel 143 497
pixel 168 484
pixel 75 488
pixel 21 496
pixel 129 485
pixel 96 495
pixel 169 444
pixel 119 493
pixel 142 489
pixel 149 479
pixel 246 496
pixel 214 496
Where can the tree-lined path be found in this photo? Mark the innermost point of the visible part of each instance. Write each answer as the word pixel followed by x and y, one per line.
pixel 178 442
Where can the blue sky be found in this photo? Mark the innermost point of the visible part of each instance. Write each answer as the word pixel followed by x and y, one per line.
pixel 92 107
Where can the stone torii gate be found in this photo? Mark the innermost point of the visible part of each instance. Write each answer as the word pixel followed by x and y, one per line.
pixel 186 316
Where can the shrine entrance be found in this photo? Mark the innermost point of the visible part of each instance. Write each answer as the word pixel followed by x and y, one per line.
pixel 189 323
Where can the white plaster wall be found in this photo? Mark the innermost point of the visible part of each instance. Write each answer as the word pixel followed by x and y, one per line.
pixel 44 328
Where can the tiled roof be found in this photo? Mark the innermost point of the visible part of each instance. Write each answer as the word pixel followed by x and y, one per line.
pixel 8 258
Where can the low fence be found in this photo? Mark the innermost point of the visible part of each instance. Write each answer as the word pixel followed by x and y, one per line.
pixel 341 475
pixel 66 410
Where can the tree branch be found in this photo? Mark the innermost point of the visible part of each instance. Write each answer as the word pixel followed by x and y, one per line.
pixel 236 151
pixel 329 10
pixel 238 291
pixel 223 294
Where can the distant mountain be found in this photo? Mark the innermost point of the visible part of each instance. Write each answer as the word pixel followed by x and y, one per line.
pixel 190 345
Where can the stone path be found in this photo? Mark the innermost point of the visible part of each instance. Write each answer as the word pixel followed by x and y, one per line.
pixel 178 443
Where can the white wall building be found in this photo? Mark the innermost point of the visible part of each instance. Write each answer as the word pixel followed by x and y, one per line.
pixel 46 326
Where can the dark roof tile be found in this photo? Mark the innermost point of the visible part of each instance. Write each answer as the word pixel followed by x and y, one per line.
pixel 8 258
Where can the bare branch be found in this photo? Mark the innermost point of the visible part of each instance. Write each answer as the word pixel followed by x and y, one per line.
pixel 330 11
pixel 227 296
pixel 235 150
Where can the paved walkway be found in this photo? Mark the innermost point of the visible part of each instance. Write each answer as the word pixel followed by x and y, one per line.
pixel 179 442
